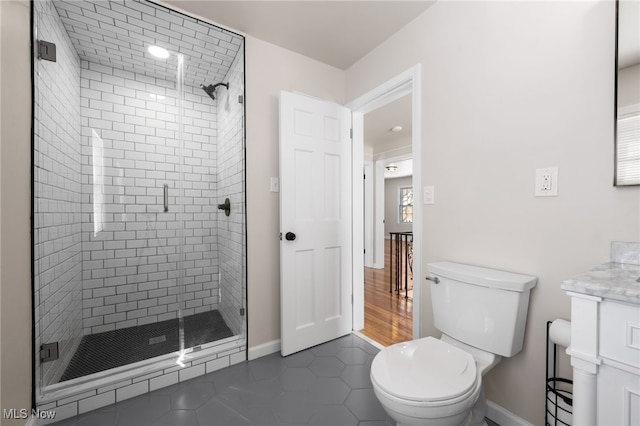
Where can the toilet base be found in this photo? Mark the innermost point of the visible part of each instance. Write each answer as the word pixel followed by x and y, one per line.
pixel 473 417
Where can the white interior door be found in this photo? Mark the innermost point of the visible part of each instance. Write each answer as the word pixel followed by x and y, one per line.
pixel 315 221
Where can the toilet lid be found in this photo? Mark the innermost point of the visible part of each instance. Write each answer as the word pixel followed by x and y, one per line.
pixel 426 369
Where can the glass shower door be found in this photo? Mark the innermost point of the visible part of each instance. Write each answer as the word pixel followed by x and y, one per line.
pixel 108 210
pixel 214 240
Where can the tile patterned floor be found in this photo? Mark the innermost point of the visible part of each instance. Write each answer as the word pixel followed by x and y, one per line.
pixel 325 385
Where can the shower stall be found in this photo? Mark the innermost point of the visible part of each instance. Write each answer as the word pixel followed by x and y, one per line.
pixel 139 236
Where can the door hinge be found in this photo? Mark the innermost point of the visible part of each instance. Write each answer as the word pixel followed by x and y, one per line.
pixel 46 51
pixel 281 236
pixel 352 298
pixel 241 312
pixel 351 133
pixel 49 352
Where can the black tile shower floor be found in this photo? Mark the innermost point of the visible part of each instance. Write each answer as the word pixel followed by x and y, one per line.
pixel 111 349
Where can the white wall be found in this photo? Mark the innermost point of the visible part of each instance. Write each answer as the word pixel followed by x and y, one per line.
pixel 271 69
pixel 15 173
pixel 508 87
pixel 0 209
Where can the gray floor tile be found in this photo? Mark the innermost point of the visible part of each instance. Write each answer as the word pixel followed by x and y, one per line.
pixel 325 385
pixel 357 376
pixel 300 359
pixel 135 412
pixel 351 341
pixel 327 349
pixel 231 378
pixel 364 405
pixel 192 396
pixel 105 418
pixel 353 356
pixel 267 367
pixel 333 415
pixel 177 418
pixel 295 407
pixel 330 390
pixel 254 395
pixel 327 367
pixel 215 412
pixel 296 379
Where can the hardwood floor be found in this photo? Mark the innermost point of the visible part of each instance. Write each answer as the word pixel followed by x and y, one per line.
pixel 388 317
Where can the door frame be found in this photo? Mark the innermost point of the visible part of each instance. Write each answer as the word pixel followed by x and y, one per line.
pixel 407 82
pixel 379 207
pixel 369 209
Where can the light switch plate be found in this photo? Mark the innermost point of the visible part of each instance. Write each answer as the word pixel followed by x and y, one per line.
pixel 275 184
pixel 429 196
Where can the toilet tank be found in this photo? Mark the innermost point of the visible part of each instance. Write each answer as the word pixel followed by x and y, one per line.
pixel 484 308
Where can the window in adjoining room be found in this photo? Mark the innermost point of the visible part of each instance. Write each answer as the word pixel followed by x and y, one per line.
pixel 405 204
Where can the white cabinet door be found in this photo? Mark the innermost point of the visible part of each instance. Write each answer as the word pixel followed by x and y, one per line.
pixel 618 397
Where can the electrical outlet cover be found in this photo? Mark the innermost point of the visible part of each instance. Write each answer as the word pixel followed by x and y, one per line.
pixel 546 182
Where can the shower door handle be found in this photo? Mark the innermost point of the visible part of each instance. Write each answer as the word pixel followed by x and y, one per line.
pixel 166 197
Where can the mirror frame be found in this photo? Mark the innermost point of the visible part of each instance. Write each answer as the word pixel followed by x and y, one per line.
pixel 615 101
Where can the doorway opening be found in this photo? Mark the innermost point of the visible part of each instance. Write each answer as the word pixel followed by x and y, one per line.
pixel 388 235
pixel 384 295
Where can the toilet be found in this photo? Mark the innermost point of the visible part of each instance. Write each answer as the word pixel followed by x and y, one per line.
pixel 482 314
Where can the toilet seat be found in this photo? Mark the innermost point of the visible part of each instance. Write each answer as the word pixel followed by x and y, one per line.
pixel 426 370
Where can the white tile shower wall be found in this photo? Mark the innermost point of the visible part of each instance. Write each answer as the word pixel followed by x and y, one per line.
pixel 231 184
pixel 131 247
pixel 57 197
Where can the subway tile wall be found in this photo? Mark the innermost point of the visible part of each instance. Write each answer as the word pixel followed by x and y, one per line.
pixel 131 246
pixel 106 142
pixel 57 197
pixel 231 184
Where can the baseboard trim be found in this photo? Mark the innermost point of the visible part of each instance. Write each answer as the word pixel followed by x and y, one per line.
pixel 504 417
pixel 264 349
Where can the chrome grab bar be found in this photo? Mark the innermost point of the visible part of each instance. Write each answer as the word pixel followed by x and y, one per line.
pixel 166 197
pixel 434 279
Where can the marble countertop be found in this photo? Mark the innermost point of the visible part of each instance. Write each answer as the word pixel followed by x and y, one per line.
pixel 611 280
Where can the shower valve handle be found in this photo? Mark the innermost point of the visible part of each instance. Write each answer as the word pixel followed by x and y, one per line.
pixel 290 236
pixel 226 206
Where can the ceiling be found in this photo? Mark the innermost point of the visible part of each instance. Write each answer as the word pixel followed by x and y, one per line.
pixel 378 124
pixel 117 34
pixel 337 33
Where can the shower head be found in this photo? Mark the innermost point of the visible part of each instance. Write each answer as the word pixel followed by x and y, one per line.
pixel 211 89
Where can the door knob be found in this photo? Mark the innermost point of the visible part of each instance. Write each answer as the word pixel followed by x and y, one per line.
pixel 290 236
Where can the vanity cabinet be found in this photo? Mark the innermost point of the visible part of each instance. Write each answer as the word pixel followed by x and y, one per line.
pixel 605 345
pixel 618 380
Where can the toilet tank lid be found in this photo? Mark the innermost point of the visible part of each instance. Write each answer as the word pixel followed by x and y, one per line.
pixel 483 276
